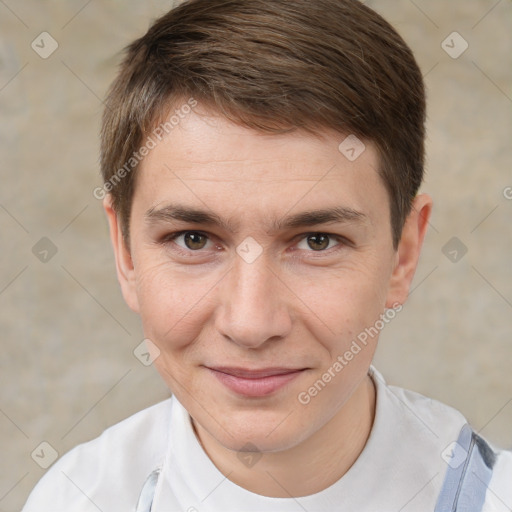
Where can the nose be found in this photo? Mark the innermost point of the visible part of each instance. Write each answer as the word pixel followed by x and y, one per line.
pixel 253 307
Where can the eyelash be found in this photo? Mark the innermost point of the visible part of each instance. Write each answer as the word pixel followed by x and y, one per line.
pixel 171 237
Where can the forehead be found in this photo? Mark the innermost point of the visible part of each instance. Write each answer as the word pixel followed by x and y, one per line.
pixel 208 159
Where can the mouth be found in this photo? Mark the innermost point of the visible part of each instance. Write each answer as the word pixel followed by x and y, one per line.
pixel 255 382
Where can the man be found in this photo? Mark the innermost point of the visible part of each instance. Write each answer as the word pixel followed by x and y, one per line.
pixel 261 165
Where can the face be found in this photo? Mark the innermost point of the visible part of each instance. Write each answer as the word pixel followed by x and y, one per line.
pixel 255 261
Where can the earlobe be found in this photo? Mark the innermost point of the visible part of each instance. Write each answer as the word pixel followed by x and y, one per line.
pixel 124 263
pixel 409 248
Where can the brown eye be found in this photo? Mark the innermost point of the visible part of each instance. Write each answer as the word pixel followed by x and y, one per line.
pixel 318 241
pixel 195 241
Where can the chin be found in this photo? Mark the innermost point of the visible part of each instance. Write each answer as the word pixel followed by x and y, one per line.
pixel 257 431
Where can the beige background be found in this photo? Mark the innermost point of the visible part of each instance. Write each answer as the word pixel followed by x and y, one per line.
pixel 67 366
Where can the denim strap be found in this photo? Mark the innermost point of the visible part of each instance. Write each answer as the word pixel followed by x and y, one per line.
pixel 148 492
pixel 471 461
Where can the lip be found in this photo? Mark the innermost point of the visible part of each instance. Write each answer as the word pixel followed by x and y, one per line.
pixel 255 382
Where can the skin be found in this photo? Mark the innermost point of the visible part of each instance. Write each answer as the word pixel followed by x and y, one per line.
pixel 299 304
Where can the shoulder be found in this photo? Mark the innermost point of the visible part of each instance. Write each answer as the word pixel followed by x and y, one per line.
pixel 444 437
pixel 108 472
pixel 418 413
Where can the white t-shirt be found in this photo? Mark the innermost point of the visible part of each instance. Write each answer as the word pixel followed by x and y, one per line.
pixel 418 450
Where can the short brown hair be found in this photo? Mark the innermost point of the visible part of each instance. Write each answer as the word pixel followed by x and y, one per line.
pixel 274 66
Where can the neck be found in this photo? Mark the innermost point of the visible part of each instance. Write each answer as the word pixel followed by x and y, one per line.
pixel 309 467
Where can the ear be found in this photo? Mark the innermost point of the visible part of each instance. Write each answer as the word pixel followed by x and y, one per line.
pixel 409 248
pixel 124 263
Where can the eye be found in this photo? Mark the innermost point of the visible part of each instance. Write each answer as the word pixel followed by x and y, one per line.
pixel 317 242
pixel 191 240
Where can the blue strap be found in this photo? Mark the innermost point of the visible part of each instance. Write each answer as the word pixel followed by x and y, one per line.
pixel 470 464
pixel 148 492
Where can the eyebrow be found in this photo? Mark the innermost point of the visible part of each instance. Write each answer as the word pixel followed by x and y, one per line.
pixel 175 212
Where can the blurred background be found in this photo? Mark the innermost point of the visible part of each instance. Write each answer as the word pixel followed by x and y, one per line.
pixel 68 368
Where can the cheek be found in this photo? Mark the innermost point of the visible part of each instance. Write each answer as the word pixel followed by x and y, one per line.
pixel 340 304
pixel 173 305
